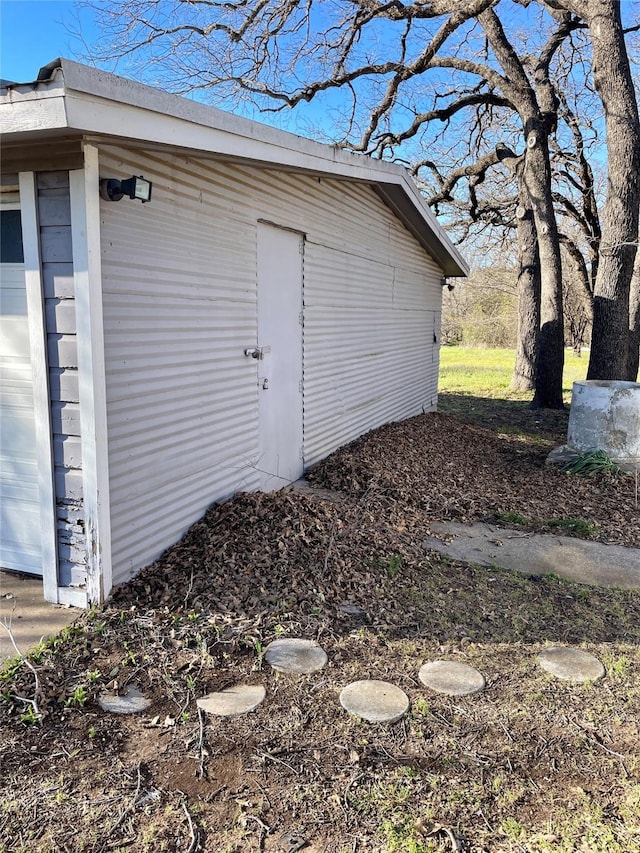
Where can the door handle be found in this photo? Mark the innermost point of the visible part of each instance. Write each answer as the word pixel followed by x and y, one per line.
pixel 257 352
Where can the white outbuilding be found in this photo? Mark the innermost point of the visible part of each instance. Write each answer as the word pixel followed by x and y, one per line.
pixel 272 299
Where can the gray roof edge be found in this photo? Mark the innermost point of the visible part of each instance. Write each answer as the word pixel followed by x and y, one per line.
pixel 414 215
pixel 92 81
pixel 395 185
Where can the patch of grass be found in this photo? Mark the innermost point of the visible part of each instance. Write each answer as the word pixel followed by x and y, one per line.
pixel 592 463
pixel 392 563
pixel 511 517
pixel 487 372
pixel 587 827
pixel 400 837
pixel 579 526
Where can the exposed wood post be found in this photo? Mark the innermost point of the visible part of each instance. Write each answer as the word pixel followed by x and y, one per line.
pixel 85 226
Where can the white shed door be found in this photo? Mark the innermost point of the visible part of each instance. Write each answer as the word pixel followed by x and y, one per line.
pixel 280 347
pixel 20 545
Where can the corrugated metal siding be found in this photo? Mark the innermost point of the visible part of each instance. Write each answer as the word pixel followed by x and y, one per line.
pixel 179 281
pixel 179 284
pixel 54 214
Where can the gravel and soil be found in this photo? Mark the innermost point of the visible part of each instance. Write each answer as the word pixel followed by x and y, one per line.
pixel 532 763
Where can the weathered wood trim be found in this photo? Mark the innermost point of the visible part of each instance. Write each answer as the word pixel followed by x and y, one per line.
pixel 85 227
pixel 40 372
pixel 50 155
pixel 73 597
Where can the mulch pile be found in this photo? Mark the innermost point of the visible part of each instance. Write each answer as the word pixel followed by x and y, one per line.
pixel 443 469
pixel 330 552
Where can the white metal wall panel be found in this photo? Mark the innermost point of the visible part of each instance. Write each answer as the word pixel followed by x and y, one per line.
pixel 179 285
pixel 179 281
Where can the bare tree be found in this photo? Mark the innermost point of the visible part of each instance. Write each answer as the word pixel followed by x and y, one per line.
pixel 390 61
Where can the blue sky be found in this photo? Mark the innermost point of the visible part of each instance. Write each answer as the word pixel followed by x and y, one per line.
pixel 33 32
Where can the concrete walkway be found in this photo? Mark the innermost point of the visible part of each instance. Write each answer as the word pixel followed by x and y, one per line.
pixel 29 616
pixel 538 554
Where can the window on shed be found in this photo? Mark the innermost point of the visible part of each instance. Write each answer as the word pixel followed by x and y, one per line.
pixel 11 237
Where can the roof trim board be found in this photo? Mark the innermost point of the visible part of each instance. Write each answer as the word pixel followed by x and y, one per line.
pixel 68 97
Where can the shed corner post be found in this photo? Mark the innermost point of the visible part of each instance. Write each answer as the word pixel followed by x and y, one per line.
pixel 87 272
pixel 40 369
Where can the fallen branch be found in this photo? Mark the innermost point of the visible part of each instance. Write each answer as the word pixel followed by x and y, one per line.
pixel 194 837
pixel 33 702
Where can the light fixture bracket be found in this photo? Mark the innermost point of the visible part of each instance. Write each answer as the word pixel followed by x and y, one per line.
pixel 136 187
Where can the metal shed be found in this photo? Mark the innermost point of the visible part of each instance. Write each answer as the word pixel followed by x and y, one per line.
pixel 275 299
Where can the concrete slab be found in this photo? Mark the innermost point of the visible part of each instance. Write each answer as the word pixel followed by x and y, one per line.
pixel 375 701
pixel 30 617
pixel 571 664
pixel 233 701
pixel 132 701
pixel 538 554
pixel 294 655
pixel 451 677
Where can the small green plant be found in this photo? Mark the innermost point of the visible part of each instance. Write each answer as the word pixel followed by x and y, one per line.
pixel 10 668
pixel 129 658
pixel 77 699
pixel 190 682
pixel 592 463
pixel 92 733
pixel 93 675
pixel 393 565
pixel 511 828
pixel 400 837
pixel 30 717
pixel 511 517
pixel 420 706
pixel 37 654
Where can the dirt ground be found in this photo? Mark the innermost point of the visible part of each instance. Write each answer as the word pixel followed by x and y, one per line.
pixel 530 764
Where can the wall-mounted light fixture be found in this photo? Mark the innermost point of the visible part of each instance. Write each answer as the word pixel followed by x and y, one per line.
pixel 446 282
pixel 112 189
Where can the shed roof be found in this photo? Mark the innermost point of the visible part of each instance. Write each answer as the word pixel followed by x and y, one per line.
pixel 70 99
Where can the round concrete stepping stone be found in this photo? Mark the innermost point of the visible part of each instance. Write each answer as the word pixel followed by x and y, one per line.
pixel 375 701
pixel 132 701
pixel 571 664
pixel 451 677
pixel 233 701
pixel 294 655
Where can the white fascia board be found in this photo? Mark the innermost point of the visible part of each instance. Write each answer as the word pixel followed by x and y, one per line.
pixel 91 115
pixel 105 105
pixel 98 84
pixel 32 113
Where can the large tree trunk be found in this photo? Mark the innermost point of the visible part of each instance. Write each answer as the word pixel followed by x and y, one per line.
pixel 537 182
pixel 524 372
pixel 610 337
pixel 548 392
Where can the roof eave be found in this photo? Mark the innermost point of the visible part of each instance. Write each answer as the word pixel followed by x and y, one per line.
pixel 71 96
